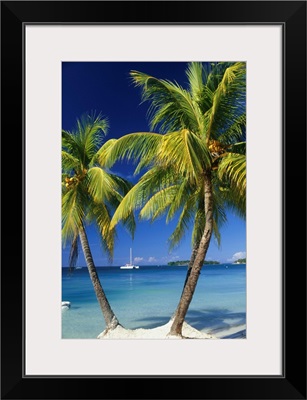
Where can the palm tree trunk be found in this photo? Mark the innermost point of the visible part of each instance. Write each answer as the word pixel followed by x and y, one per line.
pixel 109 316
pixel 191 262
pixel 194 271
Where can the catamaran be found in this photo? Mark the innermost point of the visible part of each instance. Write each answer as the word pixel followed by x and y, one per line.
pixel 130 265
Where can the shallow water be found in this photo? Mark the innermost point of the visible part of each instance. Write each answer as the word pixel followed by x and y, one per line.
pixel 147 297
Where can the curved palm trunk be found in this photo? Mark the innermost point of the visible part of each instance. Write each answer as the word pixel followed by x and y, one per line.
pixel 191 262
pixel 109 316
pixel 199 257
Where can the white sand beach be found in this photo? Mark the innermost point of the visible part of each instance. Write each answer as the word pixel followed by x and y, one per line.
pixel 161 332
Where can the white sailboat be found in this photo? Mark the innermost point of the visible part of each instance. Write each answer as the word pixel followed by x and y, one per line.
pixel 130 265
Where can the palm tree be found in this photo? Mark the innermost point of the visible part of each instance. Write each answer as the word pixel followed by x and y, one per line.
pixel 90 195
pixel 199 154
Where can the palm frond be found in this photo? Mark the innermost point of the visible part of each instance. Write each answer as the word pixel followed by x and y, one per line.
pixel 238 148
pixel 69 162
pixel 86 139
pixel 234 132
pixel 196 74
pixel 91 123
pixel 153 181
pixel 100 213
pixel 183 190
pixel 68 140
pixel 219 216
pixel 181 227
pixel 94 129
pixel 232 174
pixel 72 145
pixel 102 156
pixel 132 201
pixel 122 188
pixel 159 203
pixel 235 202
pixel 101 185
pixel 233 167
pixel 186 152
pixel 138 147
pixel 171 106
pixel 123 185
pixel 73 213
pixel 228 102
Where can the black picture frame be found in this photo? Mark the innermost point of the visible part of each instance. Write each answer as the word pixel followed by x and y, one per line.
pixel 292 16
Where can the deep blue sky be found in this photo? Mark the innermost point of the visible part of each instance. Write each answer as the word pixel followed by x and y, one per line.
pixel 105 87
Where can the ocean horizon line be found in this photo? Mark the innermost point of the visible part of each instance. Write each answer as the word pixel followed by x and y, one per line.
pixel 157 265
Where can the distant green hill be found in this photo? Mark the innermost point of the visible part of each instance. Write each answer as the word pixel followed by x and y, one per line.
pixel 186 262
pixel 241 261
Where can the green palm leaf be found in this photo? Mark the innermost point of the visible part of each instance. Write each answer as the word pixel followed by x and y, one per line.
pixel 183 223
pixel 228 101
pixel 72 213
pixel 101 214
pixel 69 162
pixel 233 167
pixel 159 203
pixel 138 147
pixel 186 152
pixel 182 191
pixel 101 186
pixel 171 106
pixel 197 75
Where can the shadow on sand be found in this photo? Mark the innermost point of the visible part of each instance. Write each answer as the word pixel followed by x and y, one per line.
pixel 215 319
pixel 212 321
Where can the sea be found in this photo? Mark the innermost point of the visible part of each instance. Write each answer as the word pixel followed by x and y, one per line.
pixel 147 298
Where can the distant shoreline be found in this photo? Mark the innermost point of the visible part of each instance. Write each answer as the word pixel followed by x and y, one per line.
pixel 186 262
pixel 160 265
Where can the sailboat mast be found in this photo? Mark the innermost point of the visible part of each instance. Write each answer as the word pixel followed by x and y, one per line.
pixel 130 255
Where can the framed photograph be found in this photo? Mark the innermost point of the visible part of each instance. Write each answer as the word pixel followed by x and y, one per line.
pixel 232 71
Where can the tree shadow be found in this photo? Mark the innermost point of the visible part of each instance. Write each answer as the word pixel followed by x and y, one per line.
pixel 210 320
pixel 215 320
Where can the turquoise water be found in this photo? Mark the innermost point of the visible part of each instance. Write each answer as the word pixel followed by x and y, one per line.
pixel 147 297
